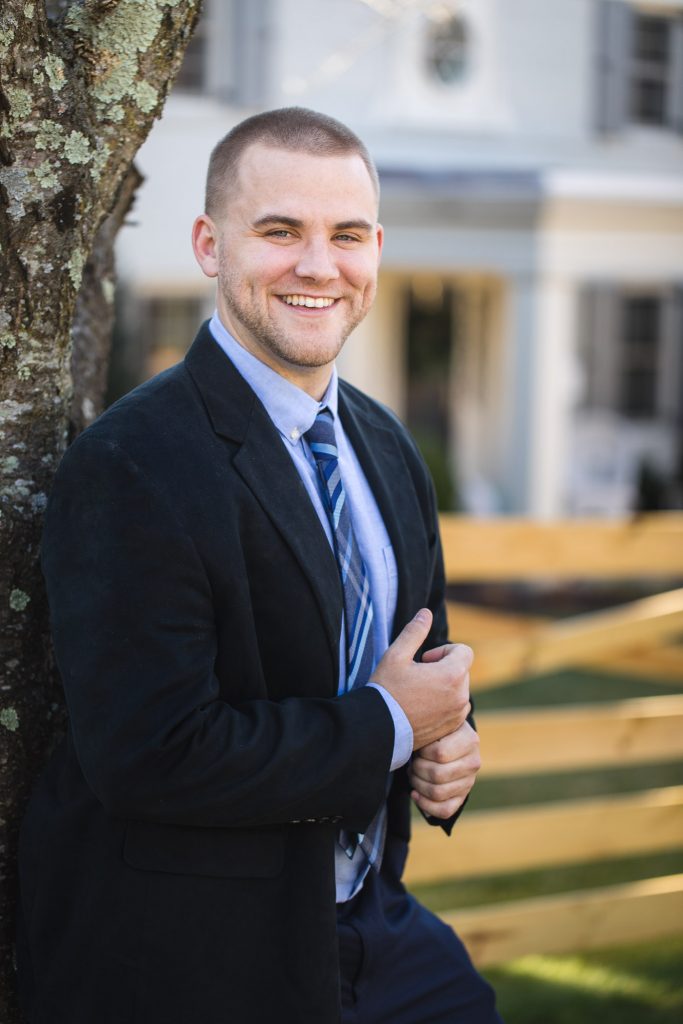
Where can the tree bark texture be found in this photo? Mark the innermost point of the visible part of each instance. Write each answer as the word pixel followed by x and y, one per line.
pixel 80 86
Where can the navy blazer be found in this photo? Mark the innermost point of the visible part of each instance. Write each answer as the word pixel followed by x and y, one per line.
pixel 177 857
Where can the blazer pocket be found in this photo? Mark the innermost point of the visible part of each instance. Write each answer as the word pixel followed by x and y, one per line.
pixel 211 852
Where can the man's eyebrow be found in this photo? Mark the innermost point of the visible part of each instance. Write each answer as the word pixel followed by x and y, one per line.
pixel 277 218
pixel 358 225
pixel 269 219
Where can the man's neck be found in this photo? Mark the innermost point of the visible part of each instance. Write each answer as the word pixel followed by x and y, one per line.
pixel 314 380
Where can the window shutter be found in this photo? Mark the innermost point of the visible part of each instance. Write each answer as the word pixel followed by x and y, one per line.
pixel 251 52
pixel 614 39
pixel 670 383
pixel 600 326
pixel 239 50
pixel 675 97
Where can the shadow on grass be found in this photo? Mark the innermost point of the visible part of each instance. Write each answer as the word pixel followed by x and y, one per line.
pixel 633 985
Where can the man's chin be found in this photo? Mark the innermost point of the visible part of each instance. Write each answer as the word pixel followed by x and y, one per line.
pixel 311 356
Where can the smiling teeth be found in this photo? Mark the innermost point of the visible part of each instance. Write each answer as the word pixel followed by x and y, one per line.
pixel 307 300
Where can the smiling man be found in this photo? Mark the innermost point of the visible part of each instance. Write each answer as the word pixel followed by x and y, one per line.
pixel 295 272
pixel 247 597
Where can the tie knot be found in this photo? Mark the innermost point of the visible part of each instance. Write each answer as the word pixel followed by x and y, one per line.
pixel 321 437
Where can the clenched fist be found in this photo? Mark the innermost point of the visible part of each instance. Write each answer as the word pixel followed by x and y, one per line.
pixel 443 772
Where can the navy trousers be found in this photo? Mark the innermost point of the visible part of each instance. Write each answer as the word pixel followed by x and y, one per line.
pixel 401 965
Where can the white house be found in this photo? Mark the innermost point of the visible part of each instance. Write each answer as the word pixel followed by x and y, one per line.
pixel 529 324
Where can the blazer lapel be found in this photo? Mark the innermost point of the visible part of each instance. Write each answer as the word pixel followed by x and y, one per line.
pixel 387 473
pixel 268 470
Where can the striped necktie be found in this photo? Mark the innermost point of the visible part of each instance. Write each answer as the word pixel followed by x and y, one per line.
pixel 354 577
pixel 357 601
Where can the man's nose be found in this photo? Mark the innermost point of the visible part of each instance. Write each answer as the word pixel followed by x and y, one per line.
pixel 317 261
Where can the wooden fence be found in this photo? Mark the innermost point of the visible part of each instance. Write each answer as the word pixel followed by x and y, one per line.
pixel 638 637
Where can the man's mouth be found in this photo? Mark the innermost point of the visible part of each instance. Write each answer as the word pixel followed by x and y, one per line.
pixel 309 301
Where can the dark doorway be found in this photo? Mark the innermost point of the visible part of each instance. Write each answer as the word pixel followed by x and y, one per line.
pixel 429 351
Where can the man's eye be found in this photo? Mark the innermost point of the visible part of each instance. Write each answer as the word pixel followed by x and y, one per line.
pixel 346 238
pixel 279 233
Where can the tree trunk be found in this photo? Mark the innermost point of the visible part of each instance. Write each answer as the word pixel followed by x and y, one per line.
pixel 93 322
pixel 79 91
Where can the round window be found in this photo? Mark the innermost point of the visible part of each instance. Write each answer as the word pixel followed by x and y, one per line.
pixel 447 45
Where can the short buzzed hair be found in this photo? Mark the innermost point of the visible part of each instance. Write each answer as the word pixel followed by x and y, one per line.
pixel 294 128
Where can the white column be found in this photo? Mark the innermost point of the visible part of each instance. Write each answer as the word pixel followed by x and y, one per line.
pixel 554 394
pixel 542 372
pixel 518 328
pixel 373 358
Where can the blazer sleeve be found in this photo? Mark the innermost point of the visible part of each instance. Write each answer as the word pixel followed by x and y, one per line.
pixel 134 635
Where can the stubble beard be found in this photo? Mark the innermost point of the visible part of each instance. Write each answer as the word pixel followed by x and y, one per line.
pixel 277 340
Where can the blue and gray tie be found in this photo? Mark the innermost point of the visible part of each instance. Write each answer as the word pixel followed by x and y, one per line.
pixel 357 600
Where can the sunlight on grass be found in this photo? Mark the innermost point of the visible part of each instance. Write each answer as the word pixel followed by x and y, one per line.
pixel 635 984
pixel 598 979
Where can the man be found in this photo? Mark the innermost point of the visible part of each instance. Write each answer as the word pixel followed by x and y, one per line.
pixel 229 552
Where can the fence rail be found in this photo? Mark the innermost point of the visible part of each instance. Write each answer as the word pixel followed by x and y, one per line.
pixel 519 549
pixel 546 647
pixel 632 912
pixel 639 637
pixel 565 832
pixel 577 736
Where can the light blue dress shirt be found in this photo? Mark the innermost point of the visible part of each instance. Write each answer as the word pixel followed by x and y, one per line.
pixel 293 412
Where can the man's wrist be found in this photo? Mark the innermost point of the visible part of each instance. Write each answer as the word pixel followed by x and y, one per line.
pixel 403 733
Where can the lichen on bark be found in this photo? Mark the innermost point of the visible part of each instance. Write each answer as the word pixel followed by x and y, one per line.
pixel 79 90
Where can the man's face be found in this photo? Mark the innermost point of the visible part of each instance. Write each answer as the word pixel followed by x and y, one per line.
pixel 296 251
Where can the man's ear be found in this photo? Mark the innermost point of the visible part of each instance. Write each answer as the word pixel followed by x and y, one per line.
pixel 380 242
pixel 205 244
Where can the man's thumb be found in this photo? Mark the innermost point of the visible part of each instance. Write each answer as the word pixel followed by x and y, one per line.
pixel 412 636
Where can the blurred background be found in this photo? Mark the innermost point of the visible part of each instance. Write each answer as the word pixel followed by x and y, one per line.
pixel 529 329
pixel 529 324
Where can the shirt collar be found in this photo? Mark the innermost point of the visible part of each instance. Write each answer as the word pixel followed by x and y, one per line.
pixel 291 409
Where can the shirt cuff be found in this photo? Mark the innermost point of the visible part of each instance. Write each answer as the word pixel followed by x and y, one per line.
pixel 403 733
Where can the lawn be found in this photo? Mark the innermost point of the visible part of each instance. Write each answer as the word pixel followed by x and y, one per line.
pixel 630 985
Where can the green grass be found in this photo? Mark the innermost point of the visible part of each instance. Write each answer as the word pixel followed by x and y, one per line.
pixel 567 687
pixel 533 789
pixel 631 985
pixel 473 892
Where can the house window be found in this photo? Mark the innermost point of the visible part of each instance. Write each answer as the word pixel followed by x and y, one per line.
pixel 171 324
pixel 628 444
pixel 151 333
pixel 640 67
pixel 632 351
pixel 230 53
pixel 639 356
pixel 651 69
pixel 447 45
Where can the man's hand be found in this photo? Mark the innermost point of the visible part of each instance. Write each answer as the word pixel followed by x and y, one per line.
pixel 443 772
pixel 434 694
